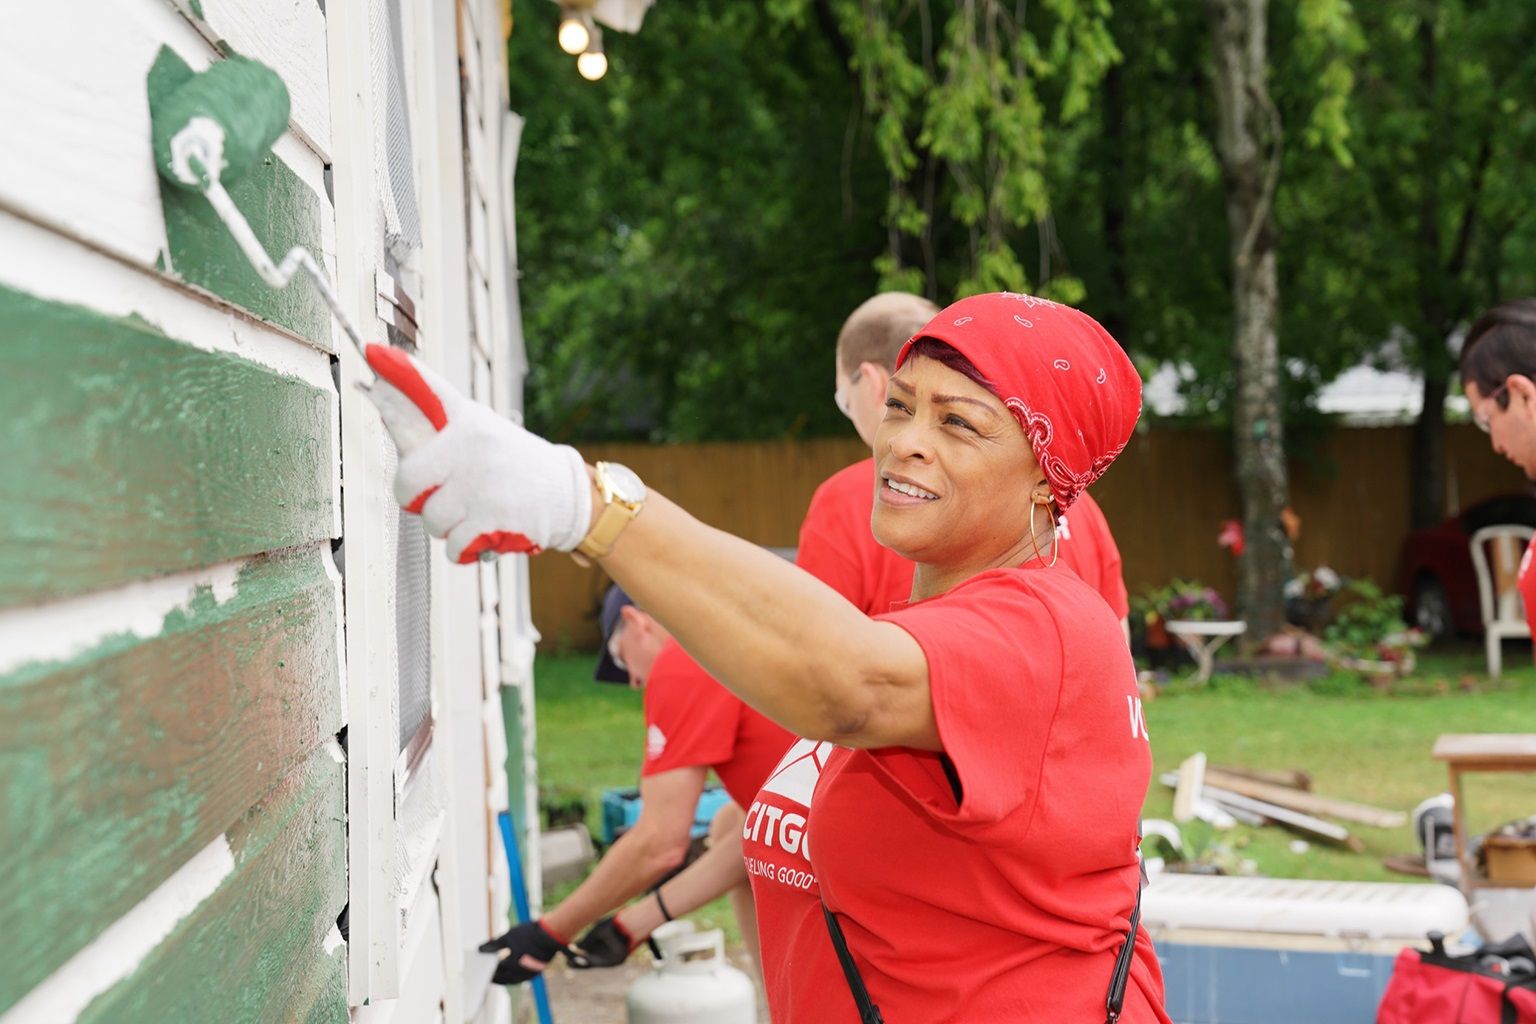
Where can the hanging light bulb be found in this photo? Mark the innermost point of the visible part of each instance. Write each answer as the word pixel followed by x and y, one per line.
pixel 574 34
pixel 593 63
pixel 592 66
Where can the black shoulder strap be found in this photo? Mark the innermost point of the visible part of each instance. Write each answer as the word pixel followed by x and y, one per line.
pixel 869 1013
pixel 1115 1001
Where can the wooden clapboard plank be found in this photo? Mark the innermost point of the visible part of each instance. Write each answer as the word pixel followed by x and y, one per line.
pixel 255 951
pixel 74 80
pixel 120 762
pixel 287 37
pixel 132 454
pixel 1307 803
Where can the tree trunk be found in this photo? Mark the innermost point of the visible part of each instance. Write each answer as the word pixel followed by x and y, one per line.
pixel 1426 499
pixel 1248 141
pixel 1428 505
pixel 1115 192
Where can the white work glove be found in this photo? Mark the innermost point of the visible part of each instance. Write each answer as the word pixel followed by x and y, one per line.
pixel 479 481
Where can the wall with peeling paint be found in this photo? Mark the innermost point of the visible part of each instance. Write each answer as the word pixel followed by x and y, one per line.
pixel 208 807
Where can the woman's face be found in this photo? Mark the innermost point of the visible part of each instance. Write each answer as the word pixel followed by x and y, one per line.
pixel 954 472
pixel 1511 429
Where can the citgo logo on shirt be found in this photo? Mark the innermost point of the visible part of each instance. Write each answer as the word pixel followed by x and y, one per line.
pixel 655 742
pixel 794 780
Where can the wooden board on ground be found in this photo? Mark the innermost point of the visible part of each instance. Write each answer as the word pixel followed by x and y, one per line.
pixel 1307 825
pixel 1186 794
pixel 1293 778
pixel 1307 803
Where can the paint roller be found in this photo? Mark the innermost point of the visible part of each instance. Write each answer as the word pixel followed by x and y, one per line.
pixel 213 128
pixel 217 125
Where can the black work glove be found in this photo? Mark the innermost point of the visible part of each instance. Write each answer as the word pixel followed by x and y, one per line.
pixel 530 949
pixel 606 944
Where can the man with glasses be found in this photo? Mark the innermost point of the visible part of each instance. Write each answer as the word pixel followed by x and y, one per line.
pixel 1498 376
pixel 692 725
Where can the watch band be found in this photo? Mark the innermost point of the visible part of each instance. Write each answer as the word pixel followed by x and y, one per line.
pixel 599 542
pixel 616 515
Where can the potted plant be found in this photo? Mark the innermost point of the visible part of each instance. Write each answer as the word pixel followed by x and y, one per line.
pixel 1191 600
pixel 1309 598
pixel 1368 634
pixel 1180 600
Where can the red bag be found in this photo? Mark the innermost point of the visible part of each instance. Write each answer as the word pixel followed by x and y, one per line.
pixel 1432 988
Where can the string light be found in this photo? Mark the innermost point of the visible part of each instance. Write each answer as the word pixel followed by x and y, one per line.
pixel 593 62
pixel 574 35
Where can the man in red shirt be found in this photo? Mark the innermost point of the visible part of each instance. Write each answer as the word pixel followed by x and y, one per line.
pixel 692 725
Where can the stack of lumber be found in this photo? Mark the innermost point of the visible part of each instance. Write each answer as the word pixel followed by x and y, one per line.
pixel 1224 795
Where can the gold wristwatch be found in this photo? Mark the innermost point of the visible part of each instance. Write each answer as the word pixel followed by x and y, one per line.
pixel 623 498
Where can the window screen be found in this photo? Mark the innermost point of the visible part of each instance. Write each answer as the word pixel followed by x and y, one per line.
pixel 394 157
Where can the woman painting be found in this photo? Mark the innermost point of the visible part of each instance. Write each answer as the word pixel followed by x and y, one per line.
pixel 978 756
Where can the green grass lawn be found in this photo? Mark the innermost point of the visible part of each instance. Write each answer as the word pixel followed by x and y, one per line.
pixel 1357 744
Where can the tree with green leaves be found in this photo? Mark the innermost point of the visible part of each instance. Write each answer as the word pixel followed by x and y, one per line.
pixel 693 227
pixel 976 106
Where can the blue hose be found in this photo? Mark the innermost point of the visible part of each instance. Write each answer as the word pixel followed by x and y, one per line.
pixel 524 913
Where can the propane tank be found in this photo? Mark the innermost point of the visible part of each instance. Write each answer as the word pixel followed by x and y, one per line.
pixel 693 983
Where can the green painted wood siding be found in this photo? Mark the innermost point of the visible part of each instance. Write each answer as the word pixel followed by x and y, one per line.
pixel 130 454
pixel 254 951
pixel 121 763
pixel 281 209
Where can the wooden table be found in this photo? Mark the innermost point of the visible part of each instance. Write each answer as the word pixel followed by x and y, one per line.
pixel 1204 638
pixel 1464 753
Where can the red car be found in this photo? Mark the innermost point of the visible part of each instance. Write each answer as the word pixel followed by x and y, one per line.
pixel 1437 574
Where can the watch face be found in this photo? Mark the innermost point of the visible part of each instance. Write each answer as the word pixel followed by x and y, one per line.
pixel 625 484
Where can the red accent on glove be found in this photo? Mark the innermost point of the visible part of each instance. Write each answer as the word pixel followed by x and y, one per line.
pixel 503 541
pixel 420 500
pixel 625 932
pixel 553 934
pixel 395 366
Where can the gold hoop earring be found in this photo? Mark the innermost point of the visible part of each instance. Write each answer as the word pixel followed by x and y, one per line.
pixel 1055 535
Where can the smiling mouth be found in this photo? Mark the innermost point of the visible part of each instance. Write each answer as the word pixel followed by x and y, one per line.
pixel 910 490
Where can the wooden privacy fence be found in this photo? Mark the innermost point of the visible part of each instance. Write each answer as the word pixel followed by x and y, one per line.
pixel 1165 500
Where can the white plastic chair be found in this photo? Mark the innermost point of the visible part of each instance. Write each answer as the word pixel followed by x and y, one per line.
pixel 1497 594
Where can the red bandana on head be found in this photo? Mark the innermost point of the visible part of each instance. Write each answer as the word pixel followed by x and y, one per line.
pixel 1066 381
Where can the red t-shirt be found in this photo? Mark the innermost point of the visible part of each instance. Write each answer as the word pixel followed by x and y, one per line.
pixel 1011 905
pixel 691 721
pixel 836 546
pixel 1089 549
pixel 1526 584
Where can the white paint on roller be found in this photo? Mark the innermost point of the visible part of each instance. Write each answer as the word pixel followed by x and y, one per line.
pixel 117 952
pixel 60 631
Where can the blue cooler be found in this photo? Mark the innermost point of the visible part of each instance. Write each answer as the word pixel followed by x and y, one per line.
pixel 621 809
pixel 1287 951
